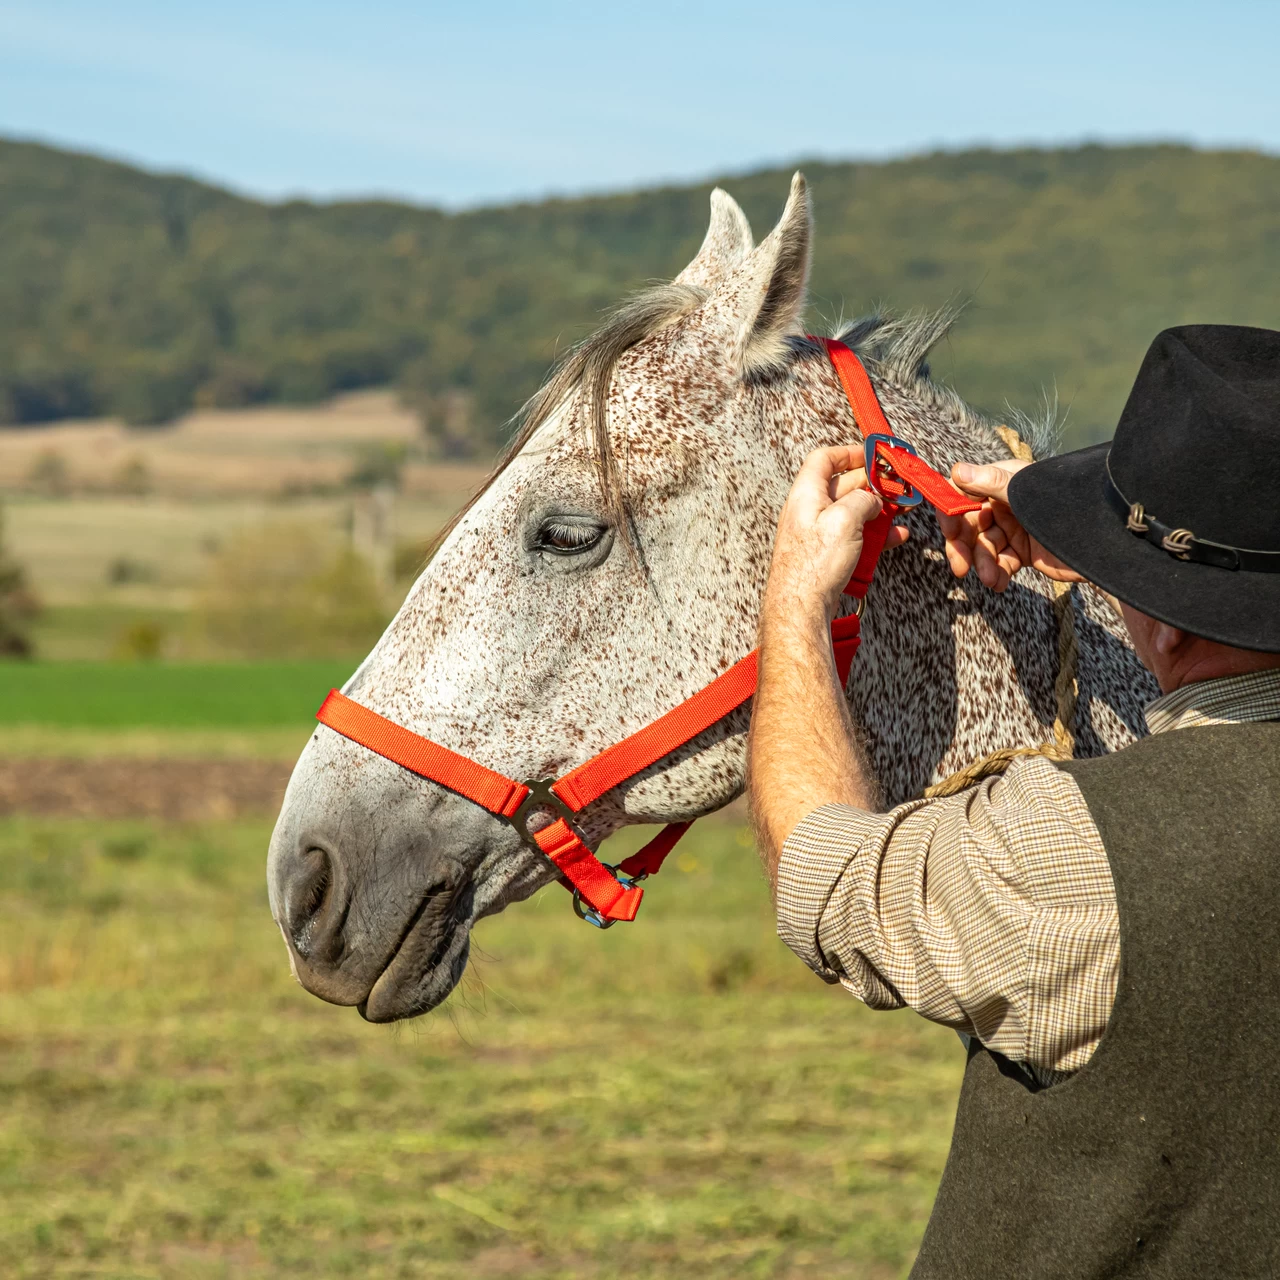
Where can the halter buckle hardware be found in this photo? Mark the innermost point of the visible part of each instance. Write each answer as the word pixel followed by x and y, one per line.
pixel 912 497
pixel 589 913
pixel 541 796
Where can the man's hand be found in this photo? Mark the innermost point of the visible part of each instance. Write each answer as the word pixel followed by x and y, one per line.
pixel 820 533
pixel 991 540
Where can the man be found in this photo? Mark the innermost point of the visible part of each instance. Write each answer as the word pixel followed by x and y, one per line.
pixel 1104 933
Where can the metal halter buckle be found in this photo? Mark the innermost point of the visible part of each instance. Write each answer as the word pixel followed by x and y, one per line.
pixel 912 497
pixel 589 913
pixel 540 796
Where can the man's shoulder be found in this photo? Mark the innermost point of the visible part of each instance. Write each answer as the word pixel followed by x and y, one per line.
pixel 1194 742
pixel 1192 771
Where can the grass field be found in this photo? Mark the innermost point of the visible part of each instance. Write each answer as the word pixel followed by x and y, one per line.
pixel 677 1098
pixel 93 632
pixel 71 545
pixel 145 743
pixel 212 696
pixel 674 1098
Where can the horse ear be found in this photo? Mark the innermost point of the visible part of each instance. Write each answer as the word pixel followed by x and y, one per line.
pixel 756 307
pixel 727 242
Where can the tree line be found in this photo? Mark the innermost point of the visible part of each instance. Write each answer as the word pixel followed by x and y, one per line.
pixel 144 295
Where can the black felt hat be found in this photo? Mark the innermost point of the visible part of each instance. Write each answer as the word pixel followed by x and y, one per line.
pixel 1179 515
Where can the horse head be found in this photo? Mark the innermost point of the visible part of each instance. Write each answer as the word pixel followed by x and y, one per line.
pixel 612 566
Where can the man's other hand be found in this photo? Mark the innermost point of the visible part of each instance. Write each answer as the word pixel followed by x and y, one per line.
pixel 820 532
pixel 991 540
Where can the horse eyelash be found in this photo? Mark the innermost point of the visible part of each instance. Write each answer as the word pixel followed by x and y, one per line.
pixel 570 537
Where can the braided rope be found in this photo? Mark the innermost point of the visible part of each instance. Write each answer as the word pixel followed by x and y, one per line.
pixel 1066 687
pixel 1016 444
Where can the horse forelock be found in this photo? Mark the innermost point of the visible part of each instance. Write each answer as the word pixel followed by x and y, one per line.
pixel 588 369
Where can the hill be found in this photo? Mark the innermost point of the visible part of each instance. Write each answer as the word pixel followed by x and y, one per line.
pixel 141 295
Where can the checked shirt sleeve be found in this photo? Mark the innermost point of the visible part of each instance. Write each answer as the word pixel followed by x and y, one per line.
pixel 991 911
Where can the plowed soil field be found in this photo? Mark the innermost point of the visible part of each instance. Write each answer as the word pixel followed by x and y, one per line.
pixel 172 790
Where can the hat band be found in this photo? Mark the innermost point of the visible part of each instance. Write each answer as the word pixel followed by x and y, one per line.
pixel 1182 543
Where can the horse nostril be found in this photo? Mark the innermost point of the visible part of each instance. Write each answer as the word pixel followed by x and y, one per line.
pixel 313 917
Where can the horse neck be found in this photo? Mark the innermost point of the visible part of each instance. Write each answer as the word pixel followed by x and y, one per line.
pixel 949 671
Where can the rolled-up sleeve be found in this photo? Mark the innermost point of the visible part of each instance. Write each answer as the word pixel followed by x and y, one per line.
pixel 991 911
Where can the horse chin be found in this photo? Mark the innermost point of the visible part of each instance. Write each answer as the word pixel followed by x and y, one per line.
pixel 423 969
pixel 435 942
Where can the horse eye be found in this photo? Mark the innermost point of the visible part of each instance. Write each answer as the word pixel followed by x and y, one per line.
pixel 563 539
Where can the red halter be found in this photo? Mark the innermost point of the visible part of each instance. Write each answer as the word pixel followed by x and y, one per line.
pixel 612 893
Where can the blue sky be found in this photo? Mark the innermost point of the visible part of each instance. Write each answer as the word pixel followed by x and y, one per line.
pixel 475 103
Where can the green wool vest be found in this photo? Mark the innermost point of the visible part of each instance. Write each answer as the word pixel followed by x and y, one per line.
pixel 1161 1157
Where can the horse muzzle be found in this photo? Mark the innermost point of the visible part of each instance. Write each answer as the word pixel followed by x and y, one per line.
pixel 389 954
pixel 372 877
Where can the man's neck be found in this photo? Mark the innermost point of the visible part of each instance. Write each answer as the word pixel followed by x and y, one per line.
pixel 1205 660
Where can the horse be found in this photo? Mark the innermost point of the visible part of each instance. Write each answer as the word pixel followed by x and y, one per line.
pixel 612 565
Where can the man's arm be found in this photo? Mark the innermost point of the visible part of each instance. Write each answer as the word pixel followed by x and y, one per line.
pixel 803 751
pixel 991 911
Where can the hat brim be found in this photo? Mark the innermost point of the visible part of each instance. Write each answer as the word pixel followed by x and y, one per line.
pixel 1062 503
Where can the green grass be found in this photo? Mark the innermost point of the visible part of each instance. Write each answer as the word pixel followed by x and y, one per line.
pixel 674 1098
pixel 166 695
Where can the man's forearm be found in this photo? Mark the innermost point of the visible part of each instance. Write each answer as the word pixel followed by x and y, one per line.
pixel 803 752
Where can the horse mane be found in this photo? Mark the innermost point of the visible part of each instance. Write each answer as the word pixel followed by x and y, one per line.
pixel 896 347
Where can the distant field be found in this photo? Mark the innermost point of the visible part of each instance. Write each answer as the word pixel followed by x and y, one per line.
pixel 153 742
pixel 92 632
pixel 71 546
pixel 232 696
pixel 677 1099
pixel 118 528
pixel 261 453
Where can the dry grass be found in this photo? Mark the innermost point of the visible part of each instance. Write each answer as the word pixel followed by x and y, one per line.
pixel 42 741
pixel 677 1098
pixel 70 545
pixel 264 453
pixel 118 528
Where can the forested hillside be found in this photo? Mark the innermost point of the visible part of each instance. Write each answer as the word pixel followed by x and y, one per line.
pixel 137 294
